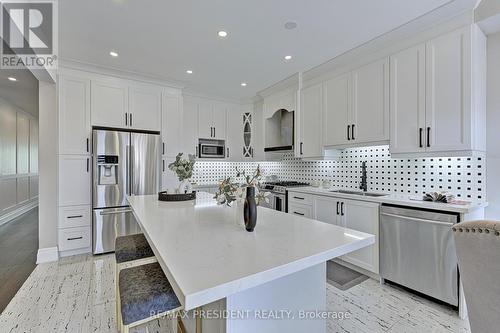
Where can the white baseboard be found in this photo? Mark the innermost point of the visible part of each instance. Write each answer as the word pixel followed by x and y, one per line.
pixel 18 211
pixel 47 254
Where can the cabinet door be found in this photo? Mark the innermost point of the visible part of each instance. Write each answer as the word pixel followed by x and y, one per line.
pixel 190 126
pixel 364 217
pixel 337 106
pixel 205 120
pixel 219 121
pixel 109 104
pixel 74 115
pixel 325 209
pixel 448 86
pixel 370 109
pixel 171 124
pixel 234 142
pixel 145 108
pixel 310 144
pixel 74 180
pixel 407 100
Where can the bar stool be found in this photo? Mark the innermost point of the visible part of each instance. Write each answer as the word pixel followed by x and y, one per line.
pixel 130 251
pixel 145 294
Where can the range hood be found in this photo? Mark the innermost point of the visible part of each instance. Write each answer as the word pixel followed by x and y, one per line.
pixel 280 132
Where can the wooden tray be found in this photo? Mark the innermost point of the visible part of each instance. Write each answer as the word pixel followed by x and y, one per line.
pixel 163 196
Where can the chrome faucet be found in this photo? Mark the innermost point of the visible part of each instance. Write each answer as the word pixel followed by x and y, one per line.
pixel 364 185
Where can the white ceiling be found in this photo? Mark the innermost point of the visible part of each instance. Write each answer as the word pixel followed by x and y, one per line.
pixel 23 93
pixel 164 38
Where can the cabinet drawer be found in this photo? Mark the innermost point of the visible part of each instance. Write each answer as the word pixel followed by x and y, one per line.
pixel 74 238
pixel 300 210
pixel 74 216
pixel 300 198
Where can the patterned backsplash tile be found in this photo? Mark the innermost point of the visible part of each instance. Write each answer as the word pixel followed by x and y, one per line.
pixel 461 176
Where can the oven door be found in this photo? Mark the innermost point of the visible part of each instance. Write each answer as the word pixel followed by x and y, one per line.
pixel 270 198
pixel 211 151
pixel 279 202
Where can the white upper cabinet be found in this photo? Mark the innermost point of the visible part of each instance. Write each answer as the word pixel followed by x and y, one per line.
pixel 171 124
pixel 337 109
pixel 145 108
pixel 407 101
pixel 448 92
pixel 310 134
pixel 370 103
pixel 438 94
pixel 205 117
pixel 74 115
pixel 219 121
pixel 109 104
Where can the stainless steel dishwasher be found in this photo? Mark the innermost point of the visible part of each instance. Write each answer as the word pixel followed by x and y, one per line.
pixel 418 251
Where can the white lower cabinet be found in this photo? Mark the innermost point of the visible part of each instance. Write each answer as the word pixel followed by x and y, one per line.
pixel 353 214
pixel 72 239
pixel 74 216
pixel 74 180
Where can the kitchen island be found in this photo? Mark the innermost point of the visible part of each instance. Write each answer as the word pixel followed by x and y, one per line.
pixel 261 281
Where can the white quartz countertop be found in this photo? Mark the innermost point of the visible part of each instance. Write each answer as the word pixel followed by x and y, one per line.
pixel 208 255
pixel 395 199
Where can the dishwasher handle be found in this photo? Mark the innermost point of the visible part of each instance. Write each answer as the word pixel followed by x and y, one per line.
pixel 417 219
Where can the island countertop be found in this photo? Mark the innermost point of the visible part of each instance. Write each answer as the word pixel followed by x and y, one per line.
pixel 208 255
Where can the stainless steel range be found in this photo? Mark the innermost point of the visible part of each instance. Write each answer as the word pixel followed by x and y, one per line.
pixel 277 193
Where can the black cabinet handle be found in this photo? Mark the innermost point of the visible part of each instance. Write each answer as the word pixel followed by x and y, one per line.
pixel 126 119
pixel 251 149
pixel 75 238
pixel 298 198
pixel 227 152
pixel 338 208
pixel 348 132
pixel 428 136
pixel 74 216
pixel 131 119
pixel 298 213
pixel 87 164
pixel 301 145
pixel 342 208
pixel 196 151
pixel 420 132
pixel 352 132
pixel 214 132
pixel 163 148
pixel 87 145
pixel 163 165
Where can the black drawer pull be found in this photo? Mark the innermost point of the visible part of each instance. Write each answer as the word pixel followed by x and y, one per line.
pixel 298 198
pixel 342 208
pixel 352 132
pixel 348 132
pixel 298 213
pixel 87 145
pixel 420 131
pixel 74 216
pixel 75 238
pixel 338 208
pixel 428 136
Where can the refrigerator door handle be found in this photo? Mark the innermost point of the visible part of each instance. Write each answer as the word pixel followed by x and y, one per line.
pixel 111 212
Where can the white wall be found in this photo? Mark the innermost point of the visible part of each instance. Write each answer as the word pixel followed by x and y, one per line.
pixel 18 161
pixel 492 130
pixel 47 224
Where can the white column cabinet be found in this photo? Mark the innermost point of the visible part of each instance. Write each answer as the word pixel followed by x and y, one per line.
pixel 310 134
pixel 145 108
pixel 109 104
pixel 74 180
pixel 407 101
pixel 74 115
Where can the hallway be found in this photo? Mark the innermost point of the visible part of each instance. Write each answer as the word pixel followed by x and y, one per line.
pixel 18 250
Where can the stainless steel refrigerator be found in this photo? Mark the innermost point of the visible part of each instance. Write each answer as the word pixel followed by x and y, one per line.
pixel 124 163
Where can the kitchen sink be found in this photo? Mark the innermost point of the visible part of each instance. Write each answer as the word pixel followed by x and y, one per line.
pixel 365 194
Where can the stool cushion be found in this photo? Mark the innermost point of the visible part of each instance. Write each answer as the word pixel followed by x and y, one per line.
pixel 144 292
pixel 132 247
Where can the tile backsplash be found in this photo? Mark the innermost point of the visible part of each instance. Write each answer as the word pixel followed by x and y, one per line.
pixel 461 176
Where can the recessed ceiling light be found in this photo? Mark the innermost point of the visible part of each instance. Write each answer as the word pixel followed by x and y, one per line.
pixel 243 84
pixel 113 54
pixel 12 78
pixel 290 25
pixel 189 71
pixel 222 33
pixel 288 57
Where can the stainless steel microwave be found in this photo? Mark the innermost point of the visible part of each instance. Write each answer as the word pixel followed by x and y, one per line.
pixel 212 149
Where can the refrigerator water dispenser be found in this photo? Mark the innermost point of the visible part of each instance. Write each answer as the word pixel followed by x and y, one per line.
pixel 107 169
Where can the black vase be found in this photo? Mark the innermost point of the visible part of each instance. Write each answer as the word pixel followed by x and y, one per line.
pixel 250 209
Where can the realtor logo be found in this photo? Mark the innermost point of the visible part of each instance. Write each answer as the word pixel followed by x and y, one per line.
pixel 28 34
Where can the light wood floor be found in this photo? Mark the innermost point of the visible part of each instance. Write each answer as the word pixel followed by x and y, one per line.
pixel 77 294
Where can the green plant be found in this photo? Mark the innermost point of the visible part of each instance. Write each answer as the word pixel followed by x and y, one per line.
pixel 182 167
